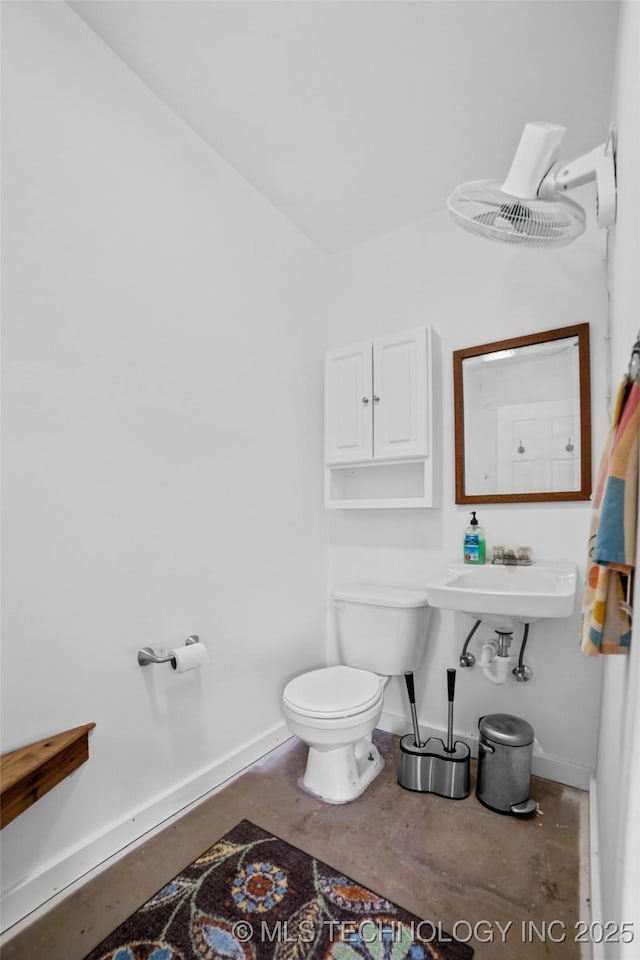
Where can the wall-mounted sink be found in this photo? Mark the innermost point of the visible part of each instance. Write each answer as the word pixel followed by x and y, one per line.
pixel 495 592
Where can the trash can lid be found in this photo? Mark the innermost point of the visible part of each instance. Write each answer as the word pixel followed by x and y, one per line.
pixel 503 728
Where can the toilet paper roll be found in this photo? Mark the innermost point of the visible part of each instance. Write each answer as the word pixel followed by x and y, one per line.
pixel 188 657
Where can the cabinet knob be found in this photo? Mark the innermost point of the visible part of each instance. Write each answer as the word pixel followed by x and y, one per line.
pixel 365 399
pixel 376 399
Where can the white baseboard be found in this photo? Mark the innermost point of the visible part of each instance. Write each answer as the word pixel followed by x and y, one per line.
pixel 54 877
pixel 550 768
pixel 598 949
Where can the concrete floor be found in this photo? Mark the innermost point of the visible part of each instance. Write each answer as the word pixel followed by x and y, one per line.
pixel 456 862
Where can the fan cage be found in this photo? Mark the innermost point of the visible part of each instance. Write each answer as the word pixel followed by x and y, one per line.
pixel 483 209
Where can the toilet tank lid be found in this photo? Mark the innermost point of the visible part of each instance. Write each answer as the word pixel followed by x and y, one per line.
pixel 380 595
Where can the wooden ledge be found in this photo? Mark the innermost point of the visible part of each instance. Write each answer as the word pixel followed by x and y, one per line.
pixel 28 773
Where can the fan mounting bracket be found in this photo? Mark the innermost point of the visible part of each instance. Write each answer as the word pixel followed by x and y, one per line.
pixel 597 165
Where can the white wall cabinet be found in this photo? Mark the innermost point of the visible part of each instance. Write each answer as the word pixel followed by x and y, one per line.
pixel 379 422
pixel 348 404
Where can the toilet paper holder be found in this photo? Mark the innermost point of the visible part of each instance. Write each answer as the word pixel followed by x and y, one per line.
pixel 148 655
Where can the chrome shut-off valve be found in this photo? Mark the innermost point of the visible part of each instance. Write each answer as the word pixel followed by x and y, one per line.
pixel 522 672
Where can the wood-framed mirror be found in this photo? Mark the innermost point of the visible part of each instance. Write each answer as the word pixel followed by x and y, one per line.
pixel 523 418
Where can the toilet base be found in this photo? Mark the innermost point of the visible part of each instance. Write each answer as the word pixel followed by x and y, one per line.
pixel 340 774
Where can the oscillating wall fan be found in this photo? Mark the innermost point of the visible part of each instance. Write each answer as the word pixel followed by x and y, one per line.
pixel 530 207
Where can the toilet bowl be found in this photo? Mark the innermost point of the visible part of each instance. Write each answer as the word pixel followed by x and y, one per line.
pixel 334 710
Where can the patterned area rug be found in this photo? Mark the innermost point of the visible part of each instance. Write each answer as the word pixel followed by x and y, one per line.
pixel 252 896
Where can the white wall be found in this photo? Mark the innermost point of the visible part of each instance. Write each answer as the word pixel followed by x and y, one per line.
pixel 164 329
pixel 618 768
pixel 475 292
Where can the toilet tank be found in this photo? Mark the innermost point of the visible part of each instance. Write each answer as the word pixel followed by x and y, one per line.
pixel 381 628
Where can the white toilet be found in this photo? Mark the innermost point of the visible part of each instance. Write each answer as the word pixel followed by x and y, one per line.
pixel 382 632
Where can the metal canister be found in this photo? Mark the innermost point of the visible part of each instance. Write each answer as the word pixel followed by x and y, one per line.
pixel 504 764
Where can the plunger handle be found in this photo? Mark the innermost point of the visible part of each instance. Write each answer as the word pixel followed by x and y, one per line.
pixel 408 678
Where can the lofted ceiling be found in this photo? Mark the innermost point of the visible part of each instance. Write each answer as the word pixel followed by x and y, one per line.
pixel 354 117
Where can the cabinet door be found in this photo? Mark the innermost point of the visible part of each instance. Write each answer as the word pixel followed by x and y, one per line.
pixel 400 397
pixel 348 404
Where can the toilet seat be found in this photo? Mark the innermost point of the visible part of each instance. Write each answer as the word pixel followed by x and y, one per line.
pixel 333 692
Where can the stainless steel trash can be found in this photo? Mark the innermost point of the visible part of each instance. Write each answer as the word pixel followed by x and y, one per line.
pixel 504 764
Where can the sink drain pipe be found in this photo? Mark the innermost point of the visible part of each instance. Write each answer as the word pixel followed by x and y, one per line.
pixel 494 656
pixel 493 663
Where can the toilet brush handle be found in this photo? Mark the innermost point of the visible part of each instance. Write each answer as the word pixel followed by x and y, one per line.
pixel 408 678
pixel 451 689
pixel 411 691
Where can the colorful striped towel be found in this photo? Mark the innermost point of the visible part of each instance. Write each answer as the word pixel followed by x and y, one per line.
pixel 606 620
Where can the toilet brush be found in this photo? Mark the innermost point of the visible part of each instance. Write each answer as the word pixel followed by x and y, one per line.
pixel 434 767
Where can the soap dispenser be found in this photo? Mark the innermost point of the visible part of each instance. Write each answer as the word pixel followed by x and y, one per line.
pixel 474 542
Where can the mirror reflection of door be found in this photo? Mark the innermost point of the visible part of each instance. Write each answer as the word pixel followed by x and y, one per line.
pixel 537 447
